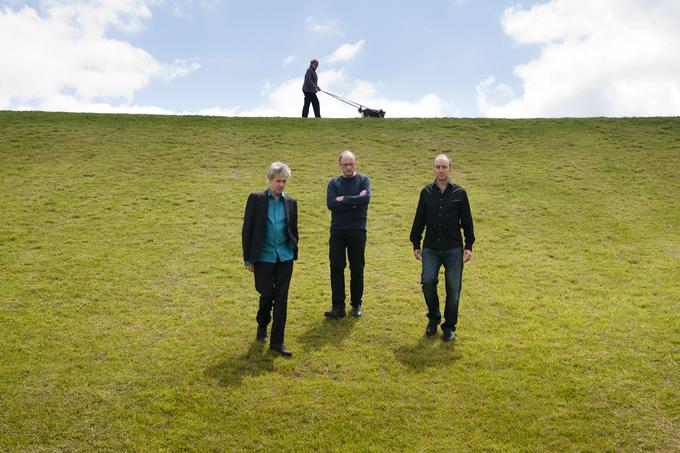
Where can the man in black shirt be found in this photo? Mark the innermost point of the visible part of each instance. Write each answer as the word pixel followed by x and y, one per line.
pixel 443 210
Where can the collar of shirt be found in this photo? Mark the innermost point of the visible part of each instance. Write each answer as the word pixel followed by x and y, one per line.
pixel 271 197
pixel 448 184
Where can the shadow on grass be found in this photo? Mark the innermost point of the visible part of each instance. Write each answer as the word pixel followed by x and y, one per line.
pixel 256 361
pixel 327 331
pixel 428 352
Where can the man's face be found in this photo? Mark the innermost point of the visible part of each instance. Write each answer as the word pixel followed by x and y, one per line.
pixel 315 65
pixel 348 166
pixel 277 184
pixel 442 168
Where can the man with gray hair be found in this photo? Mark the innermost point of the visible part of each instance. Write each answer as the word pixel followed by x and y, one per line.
pixel 443 210
pixel 347 197
pixel 270 244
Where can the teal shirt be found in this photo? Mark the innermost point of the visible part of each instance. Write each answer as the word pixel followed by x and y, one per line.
pixel 275 243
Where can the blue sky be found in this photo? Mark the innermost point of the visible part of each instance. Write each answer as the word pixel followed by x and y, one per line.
pixel 470 58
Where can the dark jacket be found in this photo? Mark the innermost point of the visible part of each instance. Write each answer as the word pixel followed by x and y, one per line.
pixel 255 224
pixel 310 84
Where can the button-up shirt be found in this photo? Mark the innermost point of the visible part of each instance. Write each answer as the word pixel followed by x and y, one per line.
pixel 443 215
pixel 275 243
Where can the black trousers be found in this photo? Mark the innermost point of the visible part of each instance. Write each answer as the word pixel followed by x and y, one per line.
pixel 311 98
pixel 353 243
pixel 272 281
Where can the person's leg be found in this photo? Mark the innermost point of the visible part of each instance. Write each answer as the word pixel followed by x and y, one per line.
pixel 356 247
pixel 453 273
pixel 305 107
pixel 429 280
pixel 264 284
pixel 316 106
pixel 282 275
pixel 337 246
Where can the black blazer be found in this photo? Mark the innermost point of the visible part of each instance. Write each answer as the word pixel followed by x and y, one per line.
pixel 255 224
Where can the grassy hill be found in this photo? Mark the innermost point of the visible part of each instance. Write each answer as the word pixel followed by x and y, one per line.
pixel 127 320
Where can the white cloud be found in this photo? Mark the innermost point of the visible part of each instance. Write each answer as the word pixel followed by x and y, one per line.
pixel 63 55
pixel 181 68
pixel 219 111
pixel 266 88
pixel 487 89
pixel 317 27
pixel 286 100
pixel 92 18
pixel 187 8
pixel 603 58
pixel 346 52
pixel 65 103
pixel 288 60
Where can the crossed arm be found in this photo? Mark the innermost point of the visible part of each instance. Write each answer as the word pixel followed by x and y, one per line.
pixel 337 202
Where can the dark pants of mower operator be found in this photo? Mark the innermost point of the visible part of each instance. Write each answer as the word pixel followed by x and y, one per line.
pixel 354 242
pixel 272 281
pixel 311 98
pixel 452 259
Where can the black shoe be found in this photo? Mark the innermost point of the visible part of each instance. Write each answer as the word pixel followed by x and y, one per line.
pixel 431 328
pixel 261 333
pixel 335 313
pixel 281 349
pixel 449 335
pixel 356 311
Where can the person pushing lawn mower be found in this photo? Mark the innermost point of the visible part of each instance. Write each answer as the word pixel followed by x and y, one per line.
pixel 310 87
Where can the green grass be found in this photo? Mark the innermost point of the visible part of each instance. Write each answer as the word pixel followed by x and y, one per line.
pixel 127 318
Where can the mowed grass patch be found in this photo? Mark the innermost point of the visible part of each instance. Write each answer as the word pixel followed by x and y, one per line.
pixel 127 318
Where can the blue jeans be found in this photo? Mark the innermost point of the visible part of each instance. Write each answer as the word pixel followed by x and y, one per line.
pixel 452 259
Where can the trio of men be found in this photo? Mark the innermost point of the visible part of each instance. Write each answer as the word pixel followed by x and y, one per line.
pixel 270 244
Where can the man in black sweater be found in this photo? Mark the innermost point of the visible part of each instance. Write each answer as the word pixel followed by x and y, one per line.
pixel 347 197
pixel 443 210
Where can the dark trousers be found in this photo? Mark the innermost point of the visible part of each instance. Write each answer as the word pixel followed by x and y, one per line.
pixel 272 281
pixel 311 98
pixel 352 242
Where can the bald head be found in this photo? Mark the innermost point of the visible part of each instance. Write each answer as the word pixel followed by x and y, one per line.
pixel 442 158
pixel 348 163
pixel 347 153
pixel 442 169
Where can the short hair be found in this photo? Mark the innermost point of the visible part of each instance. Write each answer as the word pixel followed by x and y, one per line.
pixel 314 60
pixel 348 152
pixel 276 169
pixel 442 156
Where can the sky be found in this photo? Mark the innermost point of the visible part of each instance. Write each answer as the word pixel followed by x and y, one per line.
pixel 432 58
